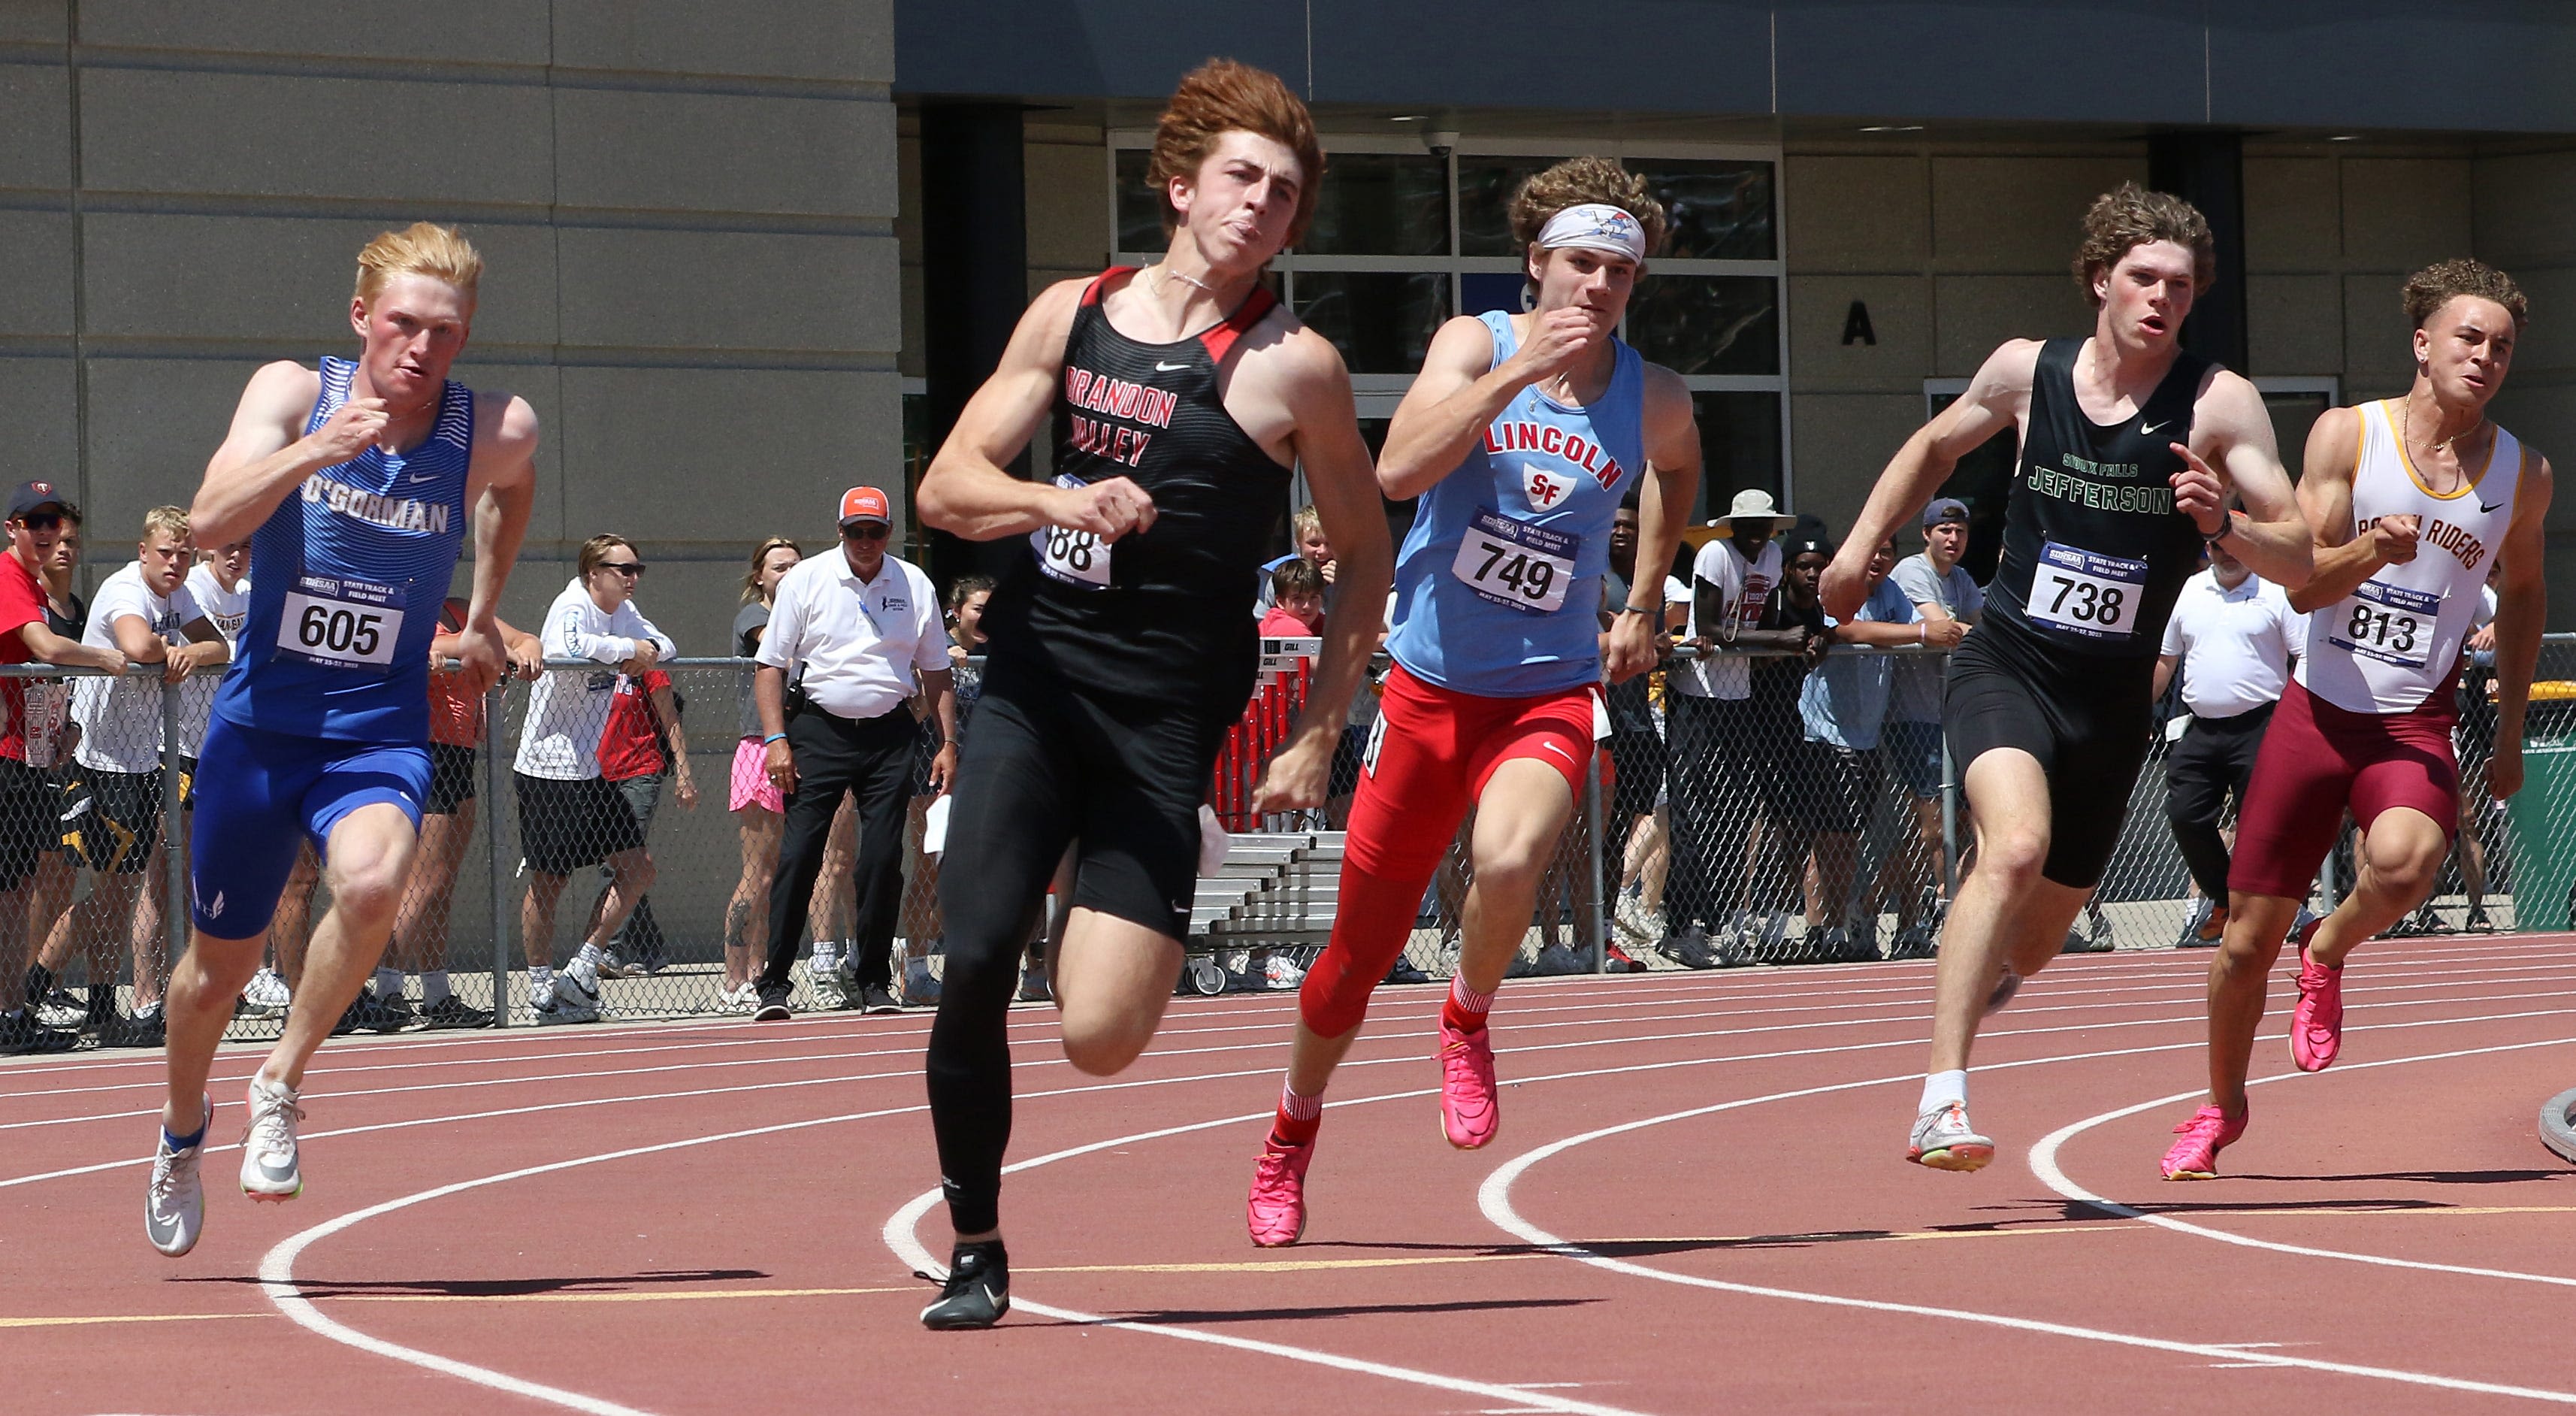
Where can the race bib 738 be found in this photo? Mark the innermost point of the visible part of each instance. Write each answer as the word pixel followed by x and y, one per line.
pixel 2086 592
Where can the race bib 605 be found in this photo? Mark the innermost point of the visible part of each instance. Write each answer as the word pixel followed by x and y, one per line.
pixel 339 622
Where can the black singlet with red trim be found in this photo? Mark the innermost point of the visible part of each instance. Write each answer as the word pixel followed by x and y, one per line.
pixel 2094 553
pixel 1169 615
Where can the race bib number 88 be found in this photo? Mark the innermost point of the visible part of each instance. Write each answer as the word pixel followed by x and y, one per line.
pixel 1513 563
pixel 2085 592
pixel 343 623
pixel 1074 557
pixel 2389 623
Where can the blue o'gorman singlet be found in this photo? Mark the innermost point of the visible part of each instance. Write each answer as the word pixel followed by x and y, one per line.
pixel 1498 587
pixel 354 567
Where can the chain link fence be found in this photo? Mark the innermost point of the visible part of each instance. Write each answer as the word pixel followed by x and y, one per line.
pixel 1711 832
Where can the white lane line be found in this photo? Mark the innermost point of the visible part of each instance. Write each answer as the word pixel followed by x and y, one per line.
pixel 1494 1198
pixel 2044 1164
pixel 1839 982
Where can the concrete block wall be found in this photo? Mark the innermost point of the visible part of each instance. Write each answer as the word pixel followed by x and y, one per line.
pixel 687 214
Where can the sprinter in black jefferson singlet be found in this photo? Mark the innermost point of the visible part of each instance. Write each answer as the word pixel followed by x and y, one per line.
pixel 2129 452
pixel 1122 648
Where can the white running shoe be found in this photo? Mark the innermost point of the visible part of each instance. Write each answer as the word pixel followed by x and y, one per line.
pixel 1944 1140
pixel 1281 973
pixel 268 1169
pixel 738 999
pixel 570 1001
pixel 833 982
pixel 174 1207
pixel 265 995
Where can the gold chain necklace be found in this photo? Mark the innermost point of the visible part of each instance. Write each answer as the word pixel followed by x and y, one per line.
pixel 2406 434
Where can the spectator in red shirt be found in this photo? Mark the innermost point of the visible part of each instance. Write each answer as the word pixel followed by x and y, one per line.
pixel 1297 600
pixel 642 743
pixel 38 516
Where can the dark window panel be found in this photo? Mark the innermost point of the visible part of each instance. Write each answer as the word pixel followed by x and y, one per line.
pixel 1707 324
pixel 1739 446
pixel 1382 322
pixel 1716 210
pixel 1381 204
pixel 1485 187
pixel 1140 207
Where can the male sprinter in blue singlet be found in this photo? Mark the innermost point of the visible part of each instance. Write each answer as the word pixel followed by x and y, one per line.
pixel 354 483
pixel 1521 436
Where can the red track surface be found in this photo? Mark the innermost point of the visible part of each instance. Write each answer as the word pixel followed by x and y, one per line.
pixel 1696 1201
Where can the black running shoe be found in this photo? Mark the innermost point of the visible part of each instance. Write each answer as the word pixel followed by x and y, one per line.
pixel 118 1030
pixel 20 1032
pixel 978 1290
pixel 773 1003
pixel 452 1013
pixel 367 1013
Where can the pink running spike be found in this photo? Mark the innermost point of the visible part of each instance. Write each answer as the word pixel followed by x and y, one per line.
pixel 2316 1024
pixel 2195 1156
pixel 1469 1111
pixel 1276 1213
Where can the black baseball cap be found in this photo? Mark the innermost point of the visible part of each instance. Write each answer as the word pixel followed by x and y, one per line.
pixel 35 496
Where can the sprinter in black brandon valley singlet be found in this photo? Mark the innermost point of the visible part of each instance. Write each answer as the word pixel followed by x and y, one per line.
pixel 1121 645
pixel 2130 450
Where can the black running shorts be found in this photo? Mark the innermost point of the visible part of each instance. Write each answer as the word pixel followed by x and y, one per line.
pixel 1122 779
pixel 451 779
pixel 564 826
pixel 2086 719
pixel 114 819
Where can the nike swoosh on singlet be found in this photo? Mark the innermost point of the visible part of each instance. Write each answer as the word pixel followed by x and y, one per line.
pixel 2490 510
pixel 2148 429
pixel 1162 368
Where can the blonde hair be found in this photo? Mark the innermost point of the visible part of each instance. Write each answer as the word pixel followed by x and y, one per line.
pixel 2129 216
pixel 1306 519
pixel 1578 180
pixel 172 519
pixel 760 562
pixel 439 252
pixel 594 552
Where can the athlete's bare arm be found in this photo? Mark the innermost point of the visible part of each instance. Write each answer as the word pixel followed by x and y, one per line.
pixel 1996 399
pixel 968 491
pixel 2232 431
pixel 2522 610
pixel 1308 376
pixel 265 457
pixel 501 487
pixel 1461 390
pixel 2341 559
pixel 1664 500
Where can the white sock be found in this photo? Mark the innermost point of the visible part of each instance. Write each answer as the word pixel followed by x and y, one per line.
pixel 389 983
pixel 826 953
pixel 433 987
pixel 1942 1088
pixel 590 954
pixel 540 978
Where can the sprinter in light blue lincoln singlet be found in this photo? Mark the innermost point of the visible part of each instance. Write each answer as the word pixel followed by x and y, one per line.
pixel 1521 436
pixel 355 483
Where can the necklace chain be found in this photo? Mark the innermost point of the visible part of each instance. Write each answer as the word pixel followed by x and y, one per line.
pixel 1165 269
pixel 2406 428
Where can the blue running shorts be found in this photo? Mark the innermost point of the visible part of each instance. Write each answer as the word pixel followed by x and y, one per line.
pixel 261 795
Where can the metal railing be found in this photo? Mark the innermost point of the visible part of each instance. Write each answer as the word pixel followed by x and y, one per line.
pixel 1703 837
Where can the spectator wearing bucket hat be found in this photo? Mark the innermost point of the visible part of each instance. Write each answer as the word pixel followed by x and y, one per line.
pixel 860 632
pixel 1712 732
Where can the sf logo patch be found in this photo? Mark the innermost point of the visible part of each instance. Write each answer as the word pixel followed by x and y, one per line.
pixel 1546 490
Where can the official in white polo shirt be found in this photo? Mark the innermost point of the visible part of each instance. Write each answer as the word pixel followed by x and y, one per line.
pixel 2232 633
pixel 861 632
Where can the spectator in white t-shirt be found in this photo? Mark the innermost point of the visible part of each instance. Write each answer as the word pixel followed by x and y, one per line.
pixel 145 613
pixel 1711 739
pixel 569 815
pixel 2233 636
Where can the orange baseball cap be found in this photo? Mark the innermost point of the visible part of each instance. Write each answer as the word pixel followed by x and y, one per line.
pixel 864 504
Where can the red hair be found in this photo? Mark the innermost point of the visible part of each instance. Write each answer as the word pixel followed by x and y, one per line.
pixel 1220 97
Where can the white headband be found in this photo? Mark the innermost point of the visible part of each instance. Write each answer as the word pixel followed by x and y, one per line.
pixel 1594 226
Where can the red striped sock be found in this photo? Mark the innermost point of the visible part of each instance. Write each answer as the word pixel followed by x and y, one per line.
pixel 1298 1119
pixel 1466 1009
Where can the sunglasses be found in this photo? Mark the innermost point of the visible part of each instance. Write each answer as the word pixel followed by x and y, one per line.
pixel 42 521
pixel 629 569
pixel 866 531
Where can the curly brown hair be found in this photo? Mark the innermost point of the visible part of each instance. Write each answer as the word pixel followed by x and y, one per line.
pixel 2438 284
pixel 2129 216
pixel 1220 97
pixel 1578 180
